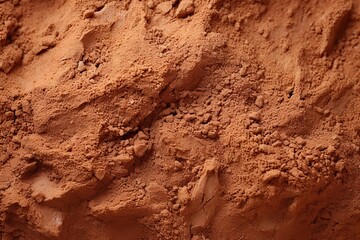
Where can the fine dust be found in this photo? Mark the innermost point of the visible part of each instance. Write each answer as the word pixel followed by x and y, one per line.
pixel 180 119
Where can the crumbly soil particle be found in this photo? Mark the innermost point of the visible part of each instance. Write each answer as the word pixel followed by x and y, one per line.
pixel 187 119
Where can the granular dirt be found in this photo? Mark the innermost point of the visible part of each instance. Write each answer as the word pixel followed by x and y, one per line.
pixel 180 119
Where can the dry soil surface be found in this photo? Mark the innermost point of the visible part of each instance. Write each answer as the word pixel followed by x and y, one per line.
pixel 180 119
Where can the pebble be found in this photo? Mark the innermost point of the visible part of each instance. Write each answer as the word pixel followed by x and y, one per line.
pixel 185 9
pixel 39 198
pixel 88 166
pixel 259 102
pixel 9 115
pixel 271 174
pixel 330 150
pixel 140 148
pixel 178 165
pixel 276 135
pixel 183 195
pixel 81 66
pixel 189 117
pixel 237 26
pixel 212 134
pixel 124 159
pixel 28 157
pixel 164 7
pixel 340 165
pixel 99 173
pixel 296 172
pixel 277 143
pixel 10 57
pixel 142 136
pixel 150 4
pixel 255 116
pixel 165 212
pixel 243 71
pixel 266 149
pixel 321 147
pixel 300 141
pixel 176 206
pixel 88 14
pixel 231 18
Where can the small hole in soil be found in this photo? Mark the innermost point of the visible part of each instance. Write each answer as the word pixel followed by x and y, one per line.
pixel 291 93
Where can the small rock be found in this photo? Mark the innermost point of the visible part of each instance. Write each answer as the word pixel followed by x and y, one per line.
pixel 142 136
pixel 330 150
pixel 243 71
pixel 124 159
pixel 140 148
pixel 255 116
pixel 156 192
pixel 271 174
pixel 87 166
pixel 185 9
pixel 100 173
pixel 318 166
pixel 165 213
pixel 44 44
pixel 206 118
pixel 178 165
pixel 340 165
pixel 286 142
pixel 164 7
pixel 150 4
pixel 10 57
pixel 237 26
pixel 183 195
pixel 28 157
pixel 266 149
pixel 212 134
pixel 39 198
pixel 321 147
pixel 9 115
pixel 189 117
pixel 296 172
pixel 16 139
pixel 81 66
pixel 48 41
pixel 169 119
pixel 176 206
pixel 277 144
pixel 319 110
pixel 231 17
pixel 300 141
pixel 205 196
pixel 259 102
pixel 88 14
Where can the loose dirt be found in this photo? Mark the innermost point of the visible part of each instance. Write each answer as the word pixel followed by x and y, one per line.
pixel 181 119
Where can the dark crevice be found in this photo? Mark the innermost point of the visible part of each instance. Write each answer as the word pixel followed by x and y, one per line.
pixel 98 9
pixel 291 93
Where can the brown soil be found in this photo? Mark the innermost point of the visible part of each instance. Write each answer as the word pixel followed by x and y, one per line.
pixel 182 119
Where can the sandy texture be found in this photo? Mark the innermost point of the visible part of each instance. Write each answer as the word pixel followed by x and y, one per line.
pixel 181 119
